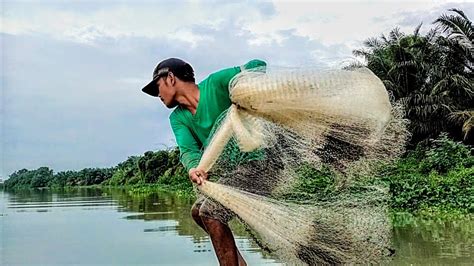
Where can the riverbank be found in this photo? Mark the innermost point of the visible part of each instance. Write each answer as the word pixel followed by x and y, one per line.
pixel 434 179
pixel 399 216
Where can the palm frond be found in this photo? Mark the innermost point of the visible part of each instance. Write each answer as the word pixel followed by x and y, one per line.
pixel 466 118
pixel 405 64
pixel 456 26
pixel 460 12
pixel 373 43
pixel 432 35
pixel 416 32
pixel 354 65
pixel 396 34
pixel 440 86
pixel 384 39
pixel 361 53
pixel 464 83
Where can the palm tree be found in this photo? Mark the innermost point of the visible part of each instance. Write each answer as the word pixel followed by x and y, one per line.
pixel 459 30
pixel 431 75
pixel 459 40
pixel 403 62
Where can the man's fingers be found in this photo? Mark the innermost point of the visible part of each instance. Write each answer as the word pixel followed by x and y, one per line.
pixel 203 175
pixel 198 176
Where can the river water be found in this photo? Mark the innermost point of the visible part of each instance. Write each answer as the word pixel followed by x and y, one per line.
pixel 92 226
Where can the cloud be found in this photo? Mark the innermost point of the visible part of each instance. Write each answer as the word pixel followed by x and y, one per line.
pixel 411 17
pixel 168 19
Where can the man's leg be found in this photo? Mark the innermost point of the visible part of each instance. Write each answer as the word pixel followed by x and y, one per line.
pixel 197 217
pixel 223 242
pixel 216 231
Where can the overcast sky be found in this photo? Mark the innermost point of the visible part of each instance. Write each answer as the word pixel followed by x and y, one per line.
pixel 72 71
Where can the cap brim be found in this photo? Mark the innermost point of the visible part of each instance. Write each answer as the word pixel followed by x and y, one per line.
pixel 151 88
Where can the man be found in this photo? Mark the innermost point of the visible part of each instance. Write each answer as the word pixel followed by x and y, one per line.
pixel 197 108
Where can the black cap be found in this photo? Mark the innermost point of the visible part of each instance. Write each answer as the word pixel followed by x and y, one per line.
pixel 178 67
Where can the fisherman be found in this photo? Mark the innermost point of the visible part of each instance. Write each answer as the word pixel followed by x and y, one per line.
pixel 197 108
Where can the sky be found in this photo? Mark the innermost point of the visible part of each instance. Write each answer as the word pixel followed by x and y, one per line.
pixel 72 71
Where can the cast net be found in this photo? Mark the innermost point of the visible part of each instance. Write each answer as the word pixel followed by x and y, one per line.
pixel 287 123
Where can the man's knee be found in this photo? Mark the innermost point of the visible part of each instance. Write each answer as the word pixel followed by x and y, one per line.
pixel 201 217
pixel 210 221
pixel 195 213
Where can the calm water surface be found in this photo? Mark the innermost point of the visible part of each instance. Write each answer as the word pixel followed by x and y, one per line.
pixel 100 227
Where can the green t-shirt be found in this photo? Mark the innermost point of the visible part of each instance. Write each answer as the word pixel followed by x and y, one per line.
pixel 192 131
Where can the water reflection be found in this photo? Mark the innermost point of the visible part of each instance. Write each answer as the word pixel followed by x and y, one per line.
pixel 96 226
pixel 432 241
pixel 109 226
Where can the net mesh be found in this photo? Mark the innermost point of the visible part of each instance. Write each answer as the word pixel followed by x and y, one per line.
pixel 284 120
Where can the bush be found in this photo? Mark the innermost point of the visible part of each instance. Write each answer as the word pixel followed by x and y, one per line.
pixel 176 178
pixel 314 181
pixel 446 154
pixel 310 183
pixel 440 175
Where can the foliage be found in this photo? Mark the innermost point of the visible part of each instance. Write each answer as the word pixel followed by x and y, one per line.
pixel 446 154
pixel 430 75
pixel 153 165
pixel 440 176
pixel 433 178
pixel 161 167
pixel 314 181
pixel 29 178
pixel 125 171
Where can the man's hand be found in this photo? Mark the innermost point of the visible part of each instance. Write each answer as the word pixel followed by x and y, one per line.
pixel 197 176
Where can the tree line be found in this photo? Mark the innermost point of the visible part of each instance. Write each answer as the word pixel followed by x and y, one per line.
pixel 162 167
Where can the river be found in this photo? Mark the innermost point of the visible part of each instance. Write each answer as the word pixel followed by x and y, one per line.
pixel 91 226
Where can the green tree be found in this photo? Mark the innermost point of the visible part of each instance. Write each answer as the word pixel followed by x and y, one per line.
pixel 125 171
pixel 41 177
pixel 153 165
pixel 430 75
pixel 460 36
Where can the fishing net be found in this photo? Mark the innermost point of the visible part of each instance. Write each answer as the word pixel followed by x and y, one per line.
pixel 283 121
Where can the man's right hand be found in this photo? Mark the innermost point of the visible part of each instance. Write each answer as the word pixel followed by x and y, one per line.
pixel 197 176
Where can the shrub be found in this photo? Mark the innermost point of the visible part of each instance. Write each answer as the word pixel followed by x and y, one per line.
pixel 440 175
